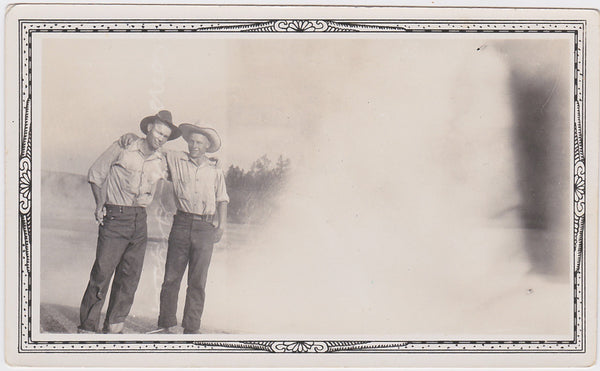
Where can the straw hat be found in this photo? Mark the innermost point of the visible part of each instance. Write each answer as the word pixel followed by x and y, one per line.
pixel 210 133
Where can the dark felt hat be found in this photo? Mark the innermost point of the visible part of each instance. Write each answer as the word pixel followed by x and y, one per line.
pixel 164 117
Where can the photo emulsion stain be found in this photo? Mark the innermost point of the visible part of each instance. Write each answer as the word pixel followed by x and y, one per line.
pixel 393 186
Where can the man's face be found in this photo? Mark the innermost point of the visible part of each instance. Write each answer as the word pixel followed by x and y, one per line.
pixel 197 144
pixel 158 134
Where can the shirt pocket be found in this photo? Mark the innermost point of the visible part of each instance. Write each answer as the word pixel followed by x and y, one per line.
pixel 129 170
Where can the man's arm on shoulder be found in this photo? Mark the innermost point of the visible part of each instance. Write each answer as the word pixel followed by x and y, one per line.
pixel 171 156
pixel 174 153
pixel 127 139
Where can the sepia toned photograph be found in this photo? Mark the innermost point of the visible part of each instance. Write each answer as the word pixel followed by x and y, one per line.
pixel 306 185
pixel 381 187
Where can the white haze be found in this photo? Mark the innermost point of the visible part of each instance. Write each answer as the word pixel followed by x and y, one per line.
pixel 390 223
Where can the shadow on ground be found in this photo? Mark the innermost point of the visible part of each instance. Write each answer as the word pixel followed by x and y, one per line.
pixel 62 319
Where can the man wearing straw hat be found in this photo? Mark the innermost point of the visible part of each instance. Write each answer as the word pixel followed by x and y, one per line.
pixel 200 194
pixel 123 182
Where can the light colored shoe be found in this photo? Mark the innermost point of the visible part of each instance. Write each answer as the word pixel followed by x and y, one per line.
pixel 114 328
pixel 162 330
pixel 83 331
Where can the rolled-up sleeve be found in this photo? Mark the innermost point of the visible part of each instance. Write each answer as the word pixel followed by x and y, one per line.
pixel 221 194
pixel 99 170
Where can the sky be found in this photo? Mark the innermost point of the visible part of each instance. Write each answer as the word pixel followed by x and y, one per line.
pixel 251 93
pixel 263 95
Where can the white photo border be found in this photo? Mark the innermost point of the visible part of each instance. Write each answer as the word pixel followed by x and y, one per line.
pixel 28 27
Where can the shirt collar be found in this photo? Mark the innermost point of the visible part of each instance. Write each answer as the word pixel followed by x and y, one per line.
pixel 137 146
pixel 188 157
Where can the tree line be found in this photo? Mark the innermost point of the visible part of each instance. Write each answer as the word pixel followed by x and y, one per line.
pixel 253 193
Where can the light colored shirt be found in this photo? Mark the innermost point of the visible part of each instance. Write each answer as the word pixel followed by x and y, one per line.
pixel 198 189
pixel 130 177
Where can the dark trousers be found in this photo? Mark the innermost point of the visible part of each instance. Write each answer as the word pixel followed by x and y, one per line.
pixel 190 241
pixel 121 248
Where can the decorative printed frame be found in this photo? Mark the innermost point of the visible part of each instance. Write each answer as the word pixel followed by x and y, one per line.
pixel 27 27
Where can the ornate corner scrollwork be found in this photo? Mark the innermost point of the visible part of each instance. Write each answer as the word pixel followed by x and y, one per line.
pixel 299 347
pixel 579 189
pixel 24 185
pixel 272 346
pixel 26 240
pixel 301 26
pixel 327 26
pixel 579 211
pixel 25 163
pixel 578 242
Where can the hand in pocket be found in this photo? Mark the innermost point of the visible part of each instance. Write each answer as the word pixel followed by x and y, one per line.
pixel 218 234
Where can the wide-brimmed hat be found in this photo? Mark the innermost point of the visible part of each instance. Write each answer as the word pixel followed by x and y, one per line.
pixel 164 117
pixel 210 133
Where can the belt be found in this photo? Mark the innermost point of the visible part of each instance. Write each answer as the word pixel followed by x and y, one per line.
pixel 123 209
pixel 203 217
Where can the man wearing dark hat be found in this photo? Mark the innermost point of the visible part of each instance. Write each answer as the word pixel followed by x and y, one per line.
pixel 200 194
pixel 123 182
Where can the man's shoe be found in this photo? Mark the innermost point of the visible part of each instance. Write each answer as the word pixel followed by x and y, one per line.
pixel 186 331
pixel 84 331
pixel 114 328
pixel 162 330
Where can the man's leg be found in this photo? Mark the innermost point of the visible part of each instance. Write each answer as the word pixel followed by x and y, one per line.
pixel 203 235
pixel 111 245
pixel 127 276
pixel 177 259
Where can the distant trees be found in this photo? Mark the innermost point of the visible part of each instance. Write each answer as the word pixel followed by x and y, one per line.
pixel 253 193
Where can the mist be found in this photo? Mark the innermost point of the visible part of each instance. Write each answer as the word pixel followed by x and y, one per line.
pixel 410 209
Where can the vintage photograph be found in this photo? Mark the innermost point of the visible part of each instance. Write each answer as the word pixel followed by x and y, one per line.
pixel 284 186
pixel 360 186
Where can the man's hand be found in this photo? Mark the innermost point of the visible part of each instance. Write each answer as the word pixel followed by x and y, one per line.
pixel 127 139
pixel 218 234
pixel 99 214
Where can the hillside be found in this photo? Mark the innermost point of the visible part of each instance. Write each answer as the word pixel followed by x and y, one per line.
pixel 67 201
